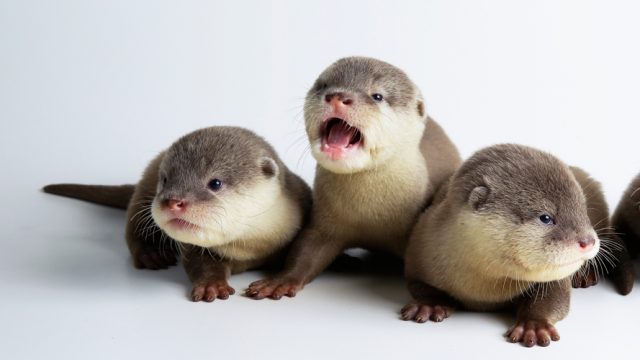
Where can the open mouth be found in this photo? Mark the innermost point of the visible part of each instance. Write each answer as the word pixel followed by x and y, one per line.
pixel 337 134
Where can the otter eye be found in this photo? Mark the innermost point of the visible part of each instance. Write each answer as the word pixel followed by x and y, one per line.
pixel 164 180
pixel 215 184
pixel 547 219
pixel 377 97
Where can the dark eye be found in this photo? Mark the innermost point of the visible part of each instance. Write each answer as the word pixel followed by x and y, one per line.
pixel 547 219
pixel 164 180
pixel 215 184
pixel 377 97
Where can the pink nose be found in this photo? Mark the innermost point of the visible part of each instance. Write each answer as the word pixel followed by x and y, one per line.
pixel 338 99
pixel 586 243
pixel 176 205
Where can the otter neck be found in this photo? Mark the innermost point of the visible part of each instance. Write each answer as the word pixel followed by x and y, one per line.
pixel 489 284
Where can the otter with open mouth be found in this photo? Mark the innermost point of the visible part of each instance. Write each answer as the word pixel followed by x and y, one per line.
pixel 508 230
pixel 220 197
pixel 379 156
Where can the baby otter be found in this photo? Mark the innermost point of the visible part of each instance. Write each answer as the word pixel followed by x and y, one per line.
pixel 224 196
pixel 508 229
pixel 380 157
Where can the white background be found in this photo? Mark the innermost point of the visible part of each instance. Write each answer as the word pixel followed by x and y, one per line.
pixel 92 90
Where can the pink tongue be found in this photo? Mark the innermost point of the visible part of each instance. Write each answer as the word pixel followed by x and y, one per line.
pixel 340 135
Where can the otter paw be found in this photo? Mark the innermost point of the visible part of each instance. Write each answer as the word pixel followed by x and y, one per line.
pixel 209 291
pixel 153 259
pixel 421 313
pixel 532 332
pixel 274 288
pixel 584 280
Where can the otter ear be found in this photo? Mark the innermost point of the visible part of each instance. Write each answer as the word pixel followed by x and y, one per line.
pixel 478 197
pixel 269 166
pixel 420 109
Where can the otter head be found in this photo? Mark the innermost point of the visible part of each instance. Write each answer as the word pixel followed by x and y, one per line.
pixel 359 112
pixel 533 211
pixel 212 183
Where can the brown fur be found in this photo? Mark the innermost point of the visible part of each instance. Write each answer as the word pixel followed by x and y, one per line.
pixel 482 246
pixel 626 218
pixel 114 196
pixel 626 222
pixel 372 199
pixel 245 163
pixel 613 260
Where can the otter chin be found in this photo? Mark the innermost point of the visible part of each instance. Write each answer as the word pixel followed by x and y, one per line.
pixel 511 227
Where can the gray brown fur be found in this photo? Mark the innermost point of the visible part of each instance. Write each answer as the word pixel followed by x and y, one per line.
pixel 626 218
pixel 487 215
pixel 114 196
pixel 183 171
pixel 613 259
pixel 373 208
pixel 626 222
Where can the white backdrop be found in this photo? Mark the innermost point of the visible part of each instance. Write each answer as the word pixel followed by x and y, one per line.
pixel 91 90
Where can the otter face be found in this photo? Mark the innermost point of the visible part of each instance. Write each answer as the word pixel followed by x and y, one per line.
pixel 550 247
pixel 211 192
pixel 535 214
pixel 359 111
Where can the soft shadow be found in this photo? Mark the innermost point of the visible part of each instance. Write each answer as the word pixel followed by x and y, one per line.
pixel 93 253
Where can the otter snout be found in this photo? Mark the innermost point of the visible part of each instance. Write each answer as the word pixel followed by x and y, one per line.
pixel 175 205
pixel 586 243
pixel 338 99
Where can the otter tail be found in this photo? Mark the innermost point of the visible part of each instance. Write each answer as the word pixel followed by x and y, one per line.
pixel 114 196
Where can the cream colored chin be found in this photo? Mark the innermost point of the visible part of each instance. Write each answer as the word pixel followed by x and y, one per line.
pixel 237 218
pixel 200 236
pixel 551 273
pixel 353 161
pixel 557 272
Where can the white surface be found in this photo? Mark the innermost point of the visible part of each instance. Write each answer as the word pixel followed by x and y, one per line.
pixel 92 90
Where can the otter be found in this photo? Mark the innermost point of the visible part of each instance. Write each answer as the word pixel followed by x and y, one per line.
pixel 219 197
pixel 508 230
pixel 380 158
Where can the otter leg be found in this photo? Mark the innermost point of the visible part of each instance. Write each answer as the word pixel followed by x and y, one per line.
pixel 310 254
pixel 429 303
pixel 538 312
pixel 623 275
pixel 587 276
pixel 208 274
pixel 148 245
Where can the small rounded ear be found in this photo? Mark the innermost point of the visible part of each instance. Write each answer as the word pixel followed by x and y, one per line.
pixel 269 166
pixel 420 106
pixel 478 197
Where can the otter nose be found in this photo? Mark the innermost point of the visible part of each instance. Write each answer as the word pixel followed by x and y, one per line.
pixel 586 243
pixel 176 205
pixel 338 99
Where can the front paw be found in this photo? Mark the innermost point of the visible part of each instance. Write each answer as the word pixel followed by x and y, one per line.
pixel 421 313
pixel 532 332
pixel 153 259
pixel 274 288
pixel 584 278
pixel 211 290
